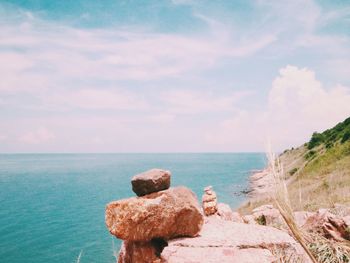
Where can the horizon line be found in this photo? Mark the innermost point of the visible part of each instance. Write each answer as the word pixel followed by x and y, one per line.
pixel 207 152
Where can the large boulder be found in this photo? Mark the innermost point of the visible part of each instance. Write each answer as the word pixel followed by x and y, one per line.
pixel 222 241
pixel 151 181
pixel 166 214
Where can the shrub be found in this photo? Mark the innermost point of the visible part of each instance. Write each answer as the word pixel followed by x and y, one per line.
pixel 261 220
pixel 310 155
pixel 316 139
pixel 293 171
pixel 345 137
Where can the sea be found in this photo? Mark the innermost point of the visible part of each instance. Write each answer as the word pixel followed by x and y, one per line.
pixel 53 205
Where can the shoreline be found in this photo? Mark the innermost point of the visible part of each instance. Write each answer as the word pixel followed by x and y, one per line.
pixel 260 184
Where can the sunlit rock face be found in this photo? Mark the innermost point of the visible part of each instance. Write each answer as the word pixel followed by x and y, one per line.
pixel 222 241
pixel 166 214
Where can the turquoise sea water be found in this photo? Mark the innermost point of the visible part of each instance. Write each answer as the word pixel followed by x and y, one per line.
pixel 52 205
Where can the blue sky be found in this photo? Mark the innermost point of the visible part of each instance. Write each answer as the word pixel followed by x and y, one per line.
pixel 171 76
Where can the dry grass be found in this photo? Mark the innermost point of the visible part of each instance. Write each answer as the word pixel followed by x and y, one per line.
pixel 318 248
pixel 318 183
pixel 283 204
pixel 327 251
pixel 321 187
pixel 283 256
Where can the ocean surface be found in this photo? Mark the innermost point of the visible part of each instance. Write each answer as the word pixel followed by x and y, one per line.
pixel 52 205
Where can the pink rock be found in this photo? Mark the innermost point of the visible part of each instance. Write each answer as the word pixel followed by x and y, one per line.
pixel 225 212
pixel 249 219
pixel 328 225
pixel 268 215
pixel 224 241
pixel 302 216
pixel 138 252
pixel 347 221
pixel 165 214
pixel 216 255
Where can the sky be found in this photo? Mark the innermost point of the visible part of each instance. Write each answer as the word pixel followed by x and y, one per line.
pixel 171 75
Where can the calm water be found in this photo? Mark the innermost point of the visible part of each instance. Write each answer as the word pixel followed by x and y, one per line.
pixel 52 205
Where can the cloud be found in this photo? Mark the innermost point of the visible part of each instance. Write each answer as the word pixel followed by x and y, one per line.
pixel 94 99
pixel 39 136
pixel 297 92
pixel 212 87
pixel 195 102
pixel 40 53
pixel 298 104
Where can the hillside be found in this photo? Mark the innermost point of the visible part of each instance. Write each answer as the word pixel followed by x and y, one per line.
pixel 317 173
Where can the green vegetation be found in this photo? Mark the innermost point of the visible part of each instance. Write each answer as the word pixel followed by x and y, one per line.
pixel 324 178
pixel 261 220
pixel 309 155
pixel 341 132
pixel 318 172
pixel 293 171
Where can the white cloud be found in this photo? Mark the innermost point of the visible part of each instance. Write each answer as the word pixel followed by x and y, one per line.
pixel 94 99
pixel 297 94
pixel 41 135
pixel 298 105
pixel 57 53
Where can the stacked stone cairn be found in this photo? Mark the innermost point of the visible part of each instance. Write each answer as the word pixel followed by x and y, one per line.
pixel 209 201
pixel 158 214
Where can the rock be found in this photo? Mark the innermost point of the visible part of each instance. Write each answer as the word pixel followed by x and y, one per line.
pixel 176 254
pixel 347 221
pixel 269 216
pixel 328 225
pixel 209 201
pixel 236 217
pixel 141 252
pixel 249 219
pixel 341 210
pixel 166 214
pixel 225 212
pixel 301 217
pixel 222 241
pixel 151 181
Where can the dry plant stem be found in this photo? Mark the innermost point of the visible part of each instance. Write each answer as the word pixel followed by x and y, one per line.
pixel 283 205
pixel 296 233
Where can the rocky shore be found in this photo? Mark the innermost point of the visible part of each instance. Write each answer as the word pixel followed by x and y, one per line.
pixel 260 184
pixel 167 224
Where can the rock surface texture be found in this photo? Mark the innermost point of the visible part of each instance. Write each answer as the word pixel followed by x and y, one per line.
pixel 269 216
pixel 209 201
pixel 166 214
pixel 225 212
pixel 329 225
pixel 151 181
pixel 223 241
pixel 138 252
